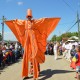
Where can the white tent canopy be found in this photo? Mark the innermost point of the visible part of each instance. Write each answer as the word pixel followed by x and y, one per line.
pixel 73 37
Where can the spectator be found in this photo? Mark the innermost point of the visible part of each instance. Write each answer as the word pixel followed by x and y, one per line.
pixel 51 49
pixel 1 58
pixel 78 63
pixel 47 49
pixel 60 49
pixel 73 51
pixel 55 50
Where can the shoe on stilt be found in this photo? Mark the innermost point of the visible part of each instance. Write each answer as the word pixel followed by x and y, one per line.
pixel 25 78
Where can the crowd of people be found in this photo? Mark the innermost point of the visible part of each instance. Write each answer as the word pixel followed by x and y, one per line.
pixel 61 48
pixel 72 53
pixel 54 48
pixel 70 50
pixel 10 53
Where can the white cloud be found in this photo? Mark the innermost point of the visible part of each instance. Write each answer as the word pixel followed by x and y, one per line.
pixel 9 36
pixel 20 3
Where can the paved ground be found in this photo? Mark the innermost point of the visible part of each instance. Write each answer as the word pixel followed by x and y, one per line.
pixel 50 70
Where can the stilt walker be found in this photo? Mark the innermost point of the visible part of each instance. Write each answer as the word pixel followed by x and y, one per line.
pixel 32 34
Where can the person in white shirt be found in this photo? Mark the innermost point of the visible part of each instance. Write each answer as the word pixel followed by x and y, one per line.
pixel 55 51
pixel 69 47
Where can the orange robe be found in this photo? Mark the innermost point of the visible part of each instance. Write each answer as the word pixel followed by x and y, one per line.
pixel 33 35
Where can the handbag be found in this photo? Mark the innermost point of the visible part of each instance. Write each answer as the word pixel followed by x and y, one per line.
pixel 75 58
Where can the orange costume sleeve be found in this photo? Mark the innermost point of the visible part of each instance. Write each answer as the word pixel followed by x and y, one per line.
pixel 33 39
pixel 18 29
pixel 43 27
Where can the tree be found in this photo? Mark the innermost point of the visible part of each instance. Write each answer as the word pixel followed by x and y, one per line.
pixel 65 36
pixel 59 38
pixel 54 38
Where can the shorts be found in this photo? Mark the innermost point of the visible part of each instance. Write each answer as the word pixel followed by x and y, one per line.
pixel 78 69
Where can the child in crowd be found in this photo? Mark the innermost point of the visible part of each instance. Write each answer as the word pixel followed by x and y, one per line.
pixel 73 51
pixel 78 63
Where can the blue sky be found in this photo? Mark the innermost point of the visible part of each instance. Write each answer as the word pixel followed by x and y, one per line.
pixel 16 9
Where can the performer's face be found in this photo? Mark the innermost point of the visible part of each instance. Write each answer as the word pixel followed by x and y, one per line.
pixel 29 17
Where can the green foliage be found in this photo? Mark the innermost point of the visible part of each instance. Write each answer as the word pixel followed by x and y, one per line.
pixel 54 38
pixel 59 38
pixel 0 37
pixel 65 35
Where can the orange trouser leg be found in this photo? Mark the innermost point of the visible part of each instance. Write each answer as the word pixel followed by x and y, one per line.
pixel 35 69
pixel 25 66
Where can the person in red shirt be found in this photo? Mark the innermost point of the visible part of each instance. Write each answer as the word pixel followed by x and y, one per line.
pixel 78 63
